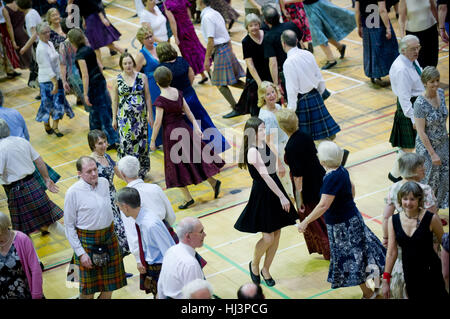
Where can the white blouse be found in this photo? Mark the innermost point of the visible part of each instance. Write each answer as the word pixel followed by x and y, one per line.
pixel 157 22
pixel 419 15
pixel 48 61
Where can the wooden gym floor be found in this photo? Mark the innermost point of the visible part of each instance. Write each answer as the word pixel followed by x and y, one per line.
pixel 364 112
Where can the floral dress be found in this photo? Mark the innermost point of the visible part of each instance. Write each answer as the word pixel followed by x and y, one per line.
pixel 13 280
pixel 108 173
pixel 132 122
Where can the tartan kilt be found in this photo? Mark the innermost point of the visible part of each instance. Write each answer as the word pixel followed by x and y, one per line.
pixel 108 278
pixel 153 272
pixel 403 133
pixel 29 206
pixel 54 176
pixel 227 69
pixel 313 116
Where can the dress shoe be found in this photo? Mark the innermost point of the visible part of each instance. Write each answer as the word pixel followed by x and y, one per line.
pixel 256 279
pixel 342 51
pixel 13 75
pixel 329 65
pixel 217 189
pixel 344 157
pixel 380 82
pixel 230 25
pixel 394 179
pixel 58 133
pixel 269 281
pixel 48 130
pixel 38 97
pixel 186 205
pixel 231 114
pixel 310 47
pixel 203 80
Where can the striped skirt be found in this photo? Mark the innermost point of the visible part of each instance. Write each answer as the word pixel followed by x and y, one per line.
pixel 108 278
pixel 403 133
pixel 29 206
pixel 227 69
pixel 313 116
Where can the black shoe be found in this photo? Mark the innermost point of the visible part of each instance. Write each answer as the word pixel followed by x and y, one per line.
pixel 112 52
pixel 38 97
pixel 329 65
pixel 344 158
pixel 128 275
pixel 112 147
pixel 203 80
pixel 49 130
pixel 44 232
pixel 230 25
pixel 217 189
pixel 58 133
pixel 342 51
pixel 13 75
pixel 269 281
pixel 186 205
pixel 256 279
pixel 394 179
pixel 231 114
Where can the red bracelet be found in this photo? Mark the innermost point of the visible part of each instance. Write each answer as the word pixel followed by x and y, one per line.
pixel 387 276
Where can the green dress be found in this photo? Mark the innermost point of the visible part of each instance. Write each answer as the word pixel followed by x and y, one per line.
pixel 132 122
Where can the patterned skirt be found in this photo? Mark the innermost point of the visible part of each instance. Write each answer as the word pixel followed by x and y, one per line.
pixel 379 53
pixel 54 176
pixel 403 133
pixel 328 21
pixel 53 105
pixel 98 34
pixel 313 116
pixel 316 235
pixel 11 53
pixel 107 278
pixel 356 253
pixel 227 69
pixel 297 15
pixel 152 276
pixel 29 206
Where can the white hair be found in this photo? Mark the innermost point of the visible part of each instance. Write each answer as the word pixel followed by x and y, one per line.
pixel 330 154
pixel 186 226
pixel 194 286
pixel 4 129
pixel 405 42
pixel 5 222
pixel 129 166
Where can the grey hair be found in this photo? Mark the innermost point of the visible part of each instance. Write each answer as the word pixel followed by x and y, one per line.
pixel 408 164
pixel 186 226
pixel 129 166
pixel 405 41
pixel 289 38
pixel 250 18
pixel 4 129
pixel 129 196
pixel 5 222
pixel 42 26
pixel 330 154
pixel 194 286
pixel 430 73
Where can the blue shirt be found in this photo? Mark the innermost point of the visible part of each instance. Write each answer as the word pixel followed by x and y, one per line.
pixel 156 239
pixel 15 121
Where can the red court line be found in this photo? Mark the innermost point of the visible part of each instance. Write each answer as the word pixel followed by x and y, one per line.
pixel 371 218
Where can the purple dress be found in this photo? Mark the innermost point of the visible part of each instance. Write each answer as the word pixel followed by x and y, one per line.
pixel 187 165
pixel 191 48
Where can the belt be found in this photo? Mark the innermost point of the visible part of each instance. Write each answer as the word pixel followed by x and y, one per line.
pixel 16 183
pixel 300 95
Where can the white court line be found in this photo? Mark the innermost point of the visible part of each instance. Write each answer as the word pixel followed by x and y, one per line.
pixel 443 57
pixel 343 76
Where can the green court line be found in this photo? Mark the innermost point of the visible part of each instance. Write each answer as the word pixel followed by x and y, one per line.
pixel 321 293
pixel 228 260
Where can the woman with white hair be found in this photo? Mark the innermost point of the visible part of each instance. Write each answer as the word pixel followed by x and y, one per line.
pixel 53 99
pixel 354 248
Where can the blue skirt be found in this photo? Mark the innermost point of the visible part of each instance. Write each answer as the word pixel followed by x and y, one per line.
pixel 328 21
pixel 314 118
pixel 210 132
pixel 379 52
pixel 356 253
pixel 53 105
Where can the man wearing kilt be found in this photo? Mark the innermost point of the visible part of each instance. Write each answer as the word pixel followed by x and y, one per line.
pixel 227 69
pixel 90 231
pixel 407 86
pixel 304 88
pixel 153 238
pixel 29 206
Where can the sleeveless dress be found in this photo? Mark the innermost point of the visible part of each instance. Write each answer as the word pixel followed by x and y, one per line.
pixel 132 122
pixel 187 165
pixel 263 212
pixel 148 69
pixel 18 24
pixel 108 173
pixel 180 81
pixel 421 265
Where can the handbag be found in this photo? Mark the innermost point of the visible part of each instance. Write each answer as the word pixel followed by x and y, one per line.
pixel 100 255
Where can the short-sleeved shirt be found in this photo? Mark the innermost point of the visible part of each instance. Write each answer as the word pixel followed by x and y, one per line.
pixel 337 183
pixel 272 42
pixel 272 127
pixel 88 55
pixel 255 51
pixel 213 26
pixel 32 19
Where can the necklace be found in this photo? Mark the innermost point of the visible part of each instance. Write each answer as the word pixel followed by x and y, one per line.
pixel 416 218
pixel 8 241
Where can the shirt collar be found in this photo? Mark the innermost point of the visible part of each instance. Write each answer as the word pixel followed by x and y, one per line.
pixel 188 248
pixel 292 51
pixel 87 186
pixel 135 182
pixel 406 60
pixel 140 216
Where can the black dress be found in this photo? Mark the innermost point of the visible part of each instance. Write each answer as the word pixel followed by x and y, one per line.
pixel 421 265
pixel 264 212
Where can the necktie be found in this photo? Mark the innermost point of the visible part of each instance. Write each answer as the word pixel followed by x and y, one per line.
pixel 419 71
pixel 141 250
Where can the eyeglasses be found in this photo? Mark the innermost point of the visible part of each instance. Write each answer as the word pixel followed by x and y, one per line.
pixel 412 49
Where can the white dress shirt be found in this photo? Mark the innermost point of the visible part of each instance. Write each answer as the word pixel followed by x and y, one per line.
pixel 155 201
pixel 157 22
pixel 302 75
pixel 179 268
pixel 88 208
pixel 156 239
pixel 48 61
pixel 16 159
pixel 213 26
pixel 405 83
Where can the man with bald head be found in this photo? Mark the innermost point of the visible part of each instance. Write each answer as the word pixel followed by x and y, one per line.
pixel 180 265
pixel 250 291
pixel 89 226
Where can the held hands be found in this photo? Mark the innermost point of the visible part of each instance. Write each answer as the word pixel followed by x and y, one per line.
pixel 152 145
pixel 51 186
pixel 386 289
pixel 207 65
pixel 86 261
pixel 302 227
pixel 436 160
